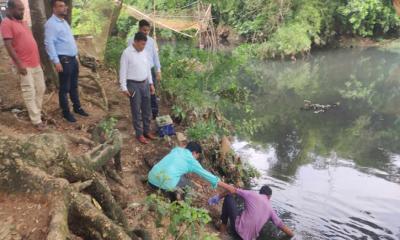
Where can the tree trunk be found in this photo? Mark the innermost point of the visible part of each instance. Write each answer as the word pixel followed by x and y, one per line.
pixel 114 17
pixel 38 17
pixel 69 17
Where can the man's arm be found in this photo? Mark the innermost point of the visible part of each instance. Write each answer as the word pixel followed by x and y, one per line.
pixel 50 35
pixel 14 57
pixel 229 188
pixel 196 168
pixel 123 68
pixel 278 222
pixel 8 36
pixel 287 230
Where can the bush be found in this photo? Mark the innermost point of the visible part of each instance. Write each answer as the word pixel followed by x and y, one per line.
pixel 288 40
pixel 369 17
pixel 184 221
pixel 114 49
pixel 202 130
pixel 126 25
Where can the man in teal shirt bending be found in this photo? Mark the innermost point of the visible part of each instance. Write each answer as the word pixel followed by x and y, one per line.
pixel 169 173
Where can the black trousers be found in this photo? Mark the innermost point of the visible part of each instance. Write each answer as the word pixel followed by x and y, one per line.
pixel 153 100
pixel 230 211
pixel 68 83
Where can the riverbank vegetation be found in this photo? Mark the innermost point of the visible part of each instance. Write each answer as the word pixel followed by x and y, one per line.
pixel 288 28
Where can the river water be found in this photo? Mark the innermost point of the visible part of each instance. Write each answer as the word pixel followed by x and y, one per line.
pixel 334 175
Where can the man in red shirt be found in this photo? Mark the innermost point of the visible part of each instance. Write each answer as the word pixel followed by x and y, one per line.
pixel 23 50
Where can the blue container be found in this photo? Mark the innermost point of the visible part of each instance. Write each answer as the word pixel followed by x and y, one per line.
pixel 167 130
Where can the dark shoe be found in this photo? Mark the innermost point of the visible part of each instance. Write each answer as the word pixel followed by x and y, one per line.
pixel 81 112
pixel 142 140
pixel 69 117
pixel 150 136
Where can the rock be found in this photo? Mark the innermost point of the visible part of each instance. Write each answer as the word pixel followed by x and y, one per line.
pixel 182 139
pixel 134 205
pixel 226 147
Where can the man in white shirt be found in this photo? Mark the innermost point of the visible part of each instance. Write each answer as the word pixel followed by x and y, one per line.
pixel 154 60
pixel 137 84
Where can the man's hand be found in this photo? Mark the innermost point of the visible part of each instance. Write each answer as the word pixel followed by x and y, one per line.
pixel 158 76
pixel 126 93
pixel 22 70
pixel 152 89
pixel 59 67
pixel 288 231
pixel 227 187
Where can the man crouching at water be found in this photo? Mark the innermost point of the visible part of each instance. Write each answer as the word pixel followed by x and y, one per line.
pixel 169 173
pixel 257 211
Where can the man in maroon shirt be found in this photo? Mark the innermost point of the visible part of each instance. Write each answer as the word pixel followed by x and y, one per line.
pixel 23 50
pixel 257 211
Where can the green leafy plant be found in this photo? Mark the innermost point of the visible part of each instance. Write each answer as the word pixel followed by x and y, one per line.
pixel 202 130
pixel 108 125
pixel 184 221
pixel 178 113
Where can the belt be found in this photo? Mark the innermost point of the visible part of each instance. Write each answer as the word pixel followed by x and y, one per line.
pixel 66 59
pixel 135 81
pixel 65 56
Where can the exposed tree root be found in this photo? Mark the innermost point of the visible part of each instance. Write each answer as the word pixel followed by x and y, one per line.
pixel 42 164
pixel 58 229
pixel 97 225
pixel 98 87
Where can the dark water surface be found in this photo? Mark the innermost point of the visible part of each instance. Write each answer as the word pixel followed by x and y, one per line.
pixel 335 175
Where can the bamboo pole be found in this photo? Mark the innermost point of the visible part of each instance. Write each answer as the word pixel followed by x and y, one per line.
pixel 396 5
pixel 137 13
pixel 154 26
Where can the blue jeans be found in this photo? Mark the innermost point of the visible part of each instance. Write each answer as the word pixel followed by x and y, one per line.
pixel 68 83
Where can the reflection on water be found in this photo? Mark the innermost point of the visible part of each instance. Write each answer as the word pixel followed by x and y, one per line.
pixel 329 200
pixel 335 175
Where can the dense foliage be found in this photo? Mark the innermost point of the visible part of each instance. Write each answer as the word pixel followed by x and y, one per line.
pixel 91 17
pixel 277 27
pixel 368 17
pixel 290 27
